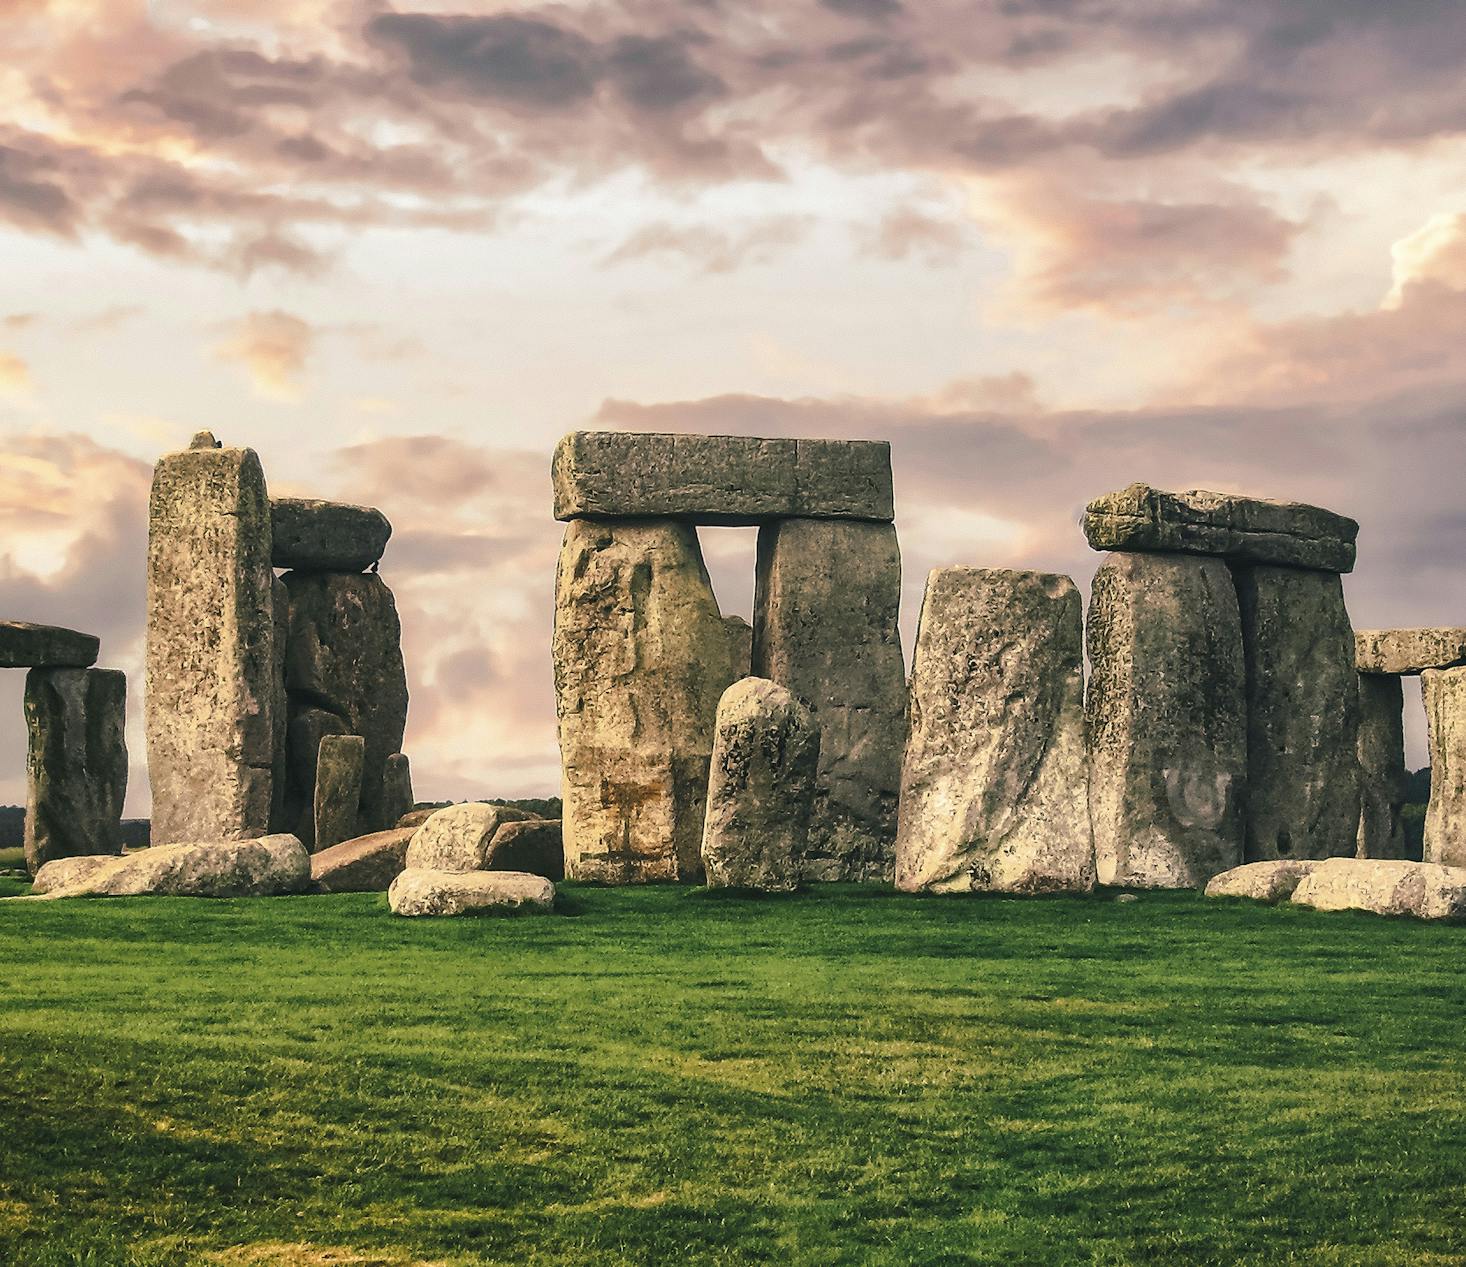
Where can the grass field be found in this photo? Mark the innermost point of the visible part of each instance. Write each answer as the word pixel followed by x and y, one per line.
pixel 663 1077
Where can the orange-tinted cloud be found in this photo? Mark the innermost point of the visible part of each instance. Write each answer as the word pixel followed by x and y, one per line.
pixel 273 347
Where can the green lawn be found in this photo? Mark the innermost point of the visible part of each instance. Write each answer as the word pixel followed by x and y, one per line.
pixel 662 1077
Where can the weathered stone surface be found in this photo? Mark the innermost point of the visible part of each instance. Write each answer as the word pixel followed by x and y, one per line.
pixel 321 536
pixel 210 689
pixel 421 892
pixel 458 838
pixel 765 765
pixel 993 788
pixel 826 603
pixel 26 646
pixel 417 817
pixel 367 864
pixel 1244 529
pixel 1444 692
pixel 1302 715
pixel 280 705
pixel 1165 718
pixel 535 845
pixel 740 645
pixel 229 868
pixel 1408 651
pixel 60 873
pixel 1383 779
pixel 641 657
pixel 1262 881
pixel 338 788
pixel 1386 887
pixel 76 763
pixel 396 788
pixel 343 674
pixel 719 479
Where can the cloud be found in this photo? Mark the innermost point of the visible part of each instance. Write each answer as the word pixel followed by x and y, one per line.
pixel 711 249
pixel 1435 252
pixel 15 375
pixel 273 347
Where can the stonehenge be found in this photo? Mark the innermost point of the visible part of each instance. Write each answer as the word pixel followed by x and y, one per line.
pixel 339 767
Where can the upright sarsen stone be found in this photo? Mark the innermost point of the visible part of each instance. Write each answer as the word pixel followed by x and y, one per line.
pixel 1444 691
pixel 210 691
pixel 1165 720
pixel 993 788
pixel 338 789
pixel 76 763
pixel 641 656
pixel 826 602
pixel 1302 715
pixel 396 787
pixel 1383 779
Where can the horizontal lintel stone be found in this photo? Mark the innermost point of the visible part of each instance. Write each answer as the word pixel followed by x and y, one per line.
pixel 310 535
pixel 1402 652
pixel 26 646
pixel 730 480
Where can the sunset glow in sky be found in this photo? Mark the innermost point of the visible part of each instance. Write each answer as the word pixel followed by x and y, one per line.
pixel 1045 247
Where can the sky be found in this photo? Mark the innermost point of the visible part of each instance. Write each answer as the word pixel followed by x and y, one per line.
pixel 1044 247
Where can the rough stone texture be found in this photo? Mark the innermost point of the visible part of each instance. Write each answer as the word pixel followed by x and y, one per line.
pixel 417 891
pixel 227 868
pixel 1444 692
pixel 1386 887
pixel 1165 719
pixel 280 707
pixel 765 765
pixel 641 657
pixel 1383 779
pixel 26 646
pixel 458 838
pixel 1244 529
pixel 338 788
pixel 343 675
pixel 1408 651
pixel 826 603
pixel 61 873
pixel 417 817
pixel 994 784
pixel 367 864
pixel 740 645
pixel 1262 881
pixel 535 845
pixel 396 788
pixel 719 479
pixel 1302 715
pixel 76 763
pixel 210 690
pixel 320 536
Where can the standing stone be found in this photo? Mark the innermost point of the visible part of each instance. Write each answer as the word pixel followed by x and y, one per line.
pixel 740 645
pixel 1165 720
pixel 1302 715
pixel 338 788
pixel 994 784
pixel 1383 779
pixel 826 602
pixel 396 788
pixel 76 764
pixel 1445 714
pixel 343 675
pixel 280 709
pixel 641 658
pixel 210 690
pixel 765 764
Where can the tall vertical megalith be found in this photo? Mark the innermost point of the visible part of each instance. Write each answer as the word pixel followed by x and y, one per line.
pixel 1445 817
pixel 339 765
pixel 210 686
pixel 1382 774
pixel 827 597
pixel 641 658
pixel 993 789
pixel 1302 715
pixel 1165 718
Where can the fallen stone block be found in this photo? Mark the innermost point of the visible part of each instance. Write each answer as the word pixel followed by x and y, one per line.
pixel 418 891
pixel 1243 529
pixel 1385 887
pixel 321 536
pixel 458 838
pixel 338 789
pixel 367 864
pixel 1262 881
pixel 1408 651
pixel 262 867
pixel 535 845
pixel 27 646
pixel 417 817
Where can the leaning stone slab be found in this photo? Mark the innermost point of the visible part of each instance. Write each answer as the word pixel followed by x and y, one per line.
pixel 338 789
pixel 1383 779
pixel 367 864
pixel 719 479
pixel 535 845
pixel 1385 887
pixel 26 646
pixel 1166 720
pixel 421 892
pixel 321 536
pixel 1262 881
pixel 826 602
pixel 76 763
pixel 1408 651
pixel 765 765
pixel 458 838
pixel 1444 692
pixel 1244 529
pixel 210 689
pixel 994 785
pixel 1302 715
pixel 232 868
